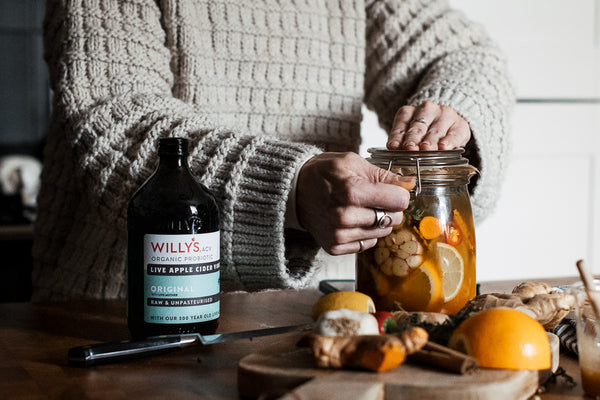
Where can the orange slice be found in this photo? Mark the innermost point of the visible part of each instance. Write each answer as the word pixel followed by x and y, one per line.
pixel 453 270
pixel 422 290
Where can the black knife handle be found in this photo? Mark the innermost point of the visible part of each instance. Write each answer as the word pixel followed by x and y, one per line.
pixel 104 353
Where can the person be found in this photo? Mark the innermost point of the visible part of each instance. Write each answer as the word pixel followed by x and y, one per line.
pixel 269 95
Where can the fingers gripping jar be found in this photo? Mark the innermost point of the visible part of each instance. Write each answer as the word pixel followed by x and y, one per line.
pixel 427 263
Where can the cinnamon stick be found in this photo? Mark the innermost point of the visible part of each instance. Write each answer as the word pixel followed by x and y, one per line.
pixel 443 357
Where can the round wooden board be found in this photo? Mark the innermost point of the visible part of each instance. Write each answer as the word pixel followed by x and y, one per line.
pixel 284 367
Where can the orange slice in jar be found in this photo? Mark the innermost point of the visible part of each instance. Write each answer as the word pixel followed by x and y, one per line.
pixel 422 290
pixel 453 270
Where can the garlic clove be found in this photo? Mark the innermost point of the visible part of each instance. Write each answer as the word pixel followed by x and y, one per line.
pixel 411 247
pixel 386 267
pixel 414 260
pixel 381 254
pixel 403 235
pixel 400 267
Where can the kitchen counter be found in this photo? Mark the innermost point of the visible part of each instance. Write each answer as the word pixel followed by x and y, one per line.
pixel 35 338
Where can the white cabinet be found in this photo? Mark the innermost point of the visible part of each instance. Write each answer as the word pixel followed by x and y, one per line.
pixel 552 45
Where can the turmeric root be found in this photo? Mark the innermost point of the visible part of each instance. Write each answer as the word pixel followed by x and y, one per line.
pixel 371 352
pixel 413 339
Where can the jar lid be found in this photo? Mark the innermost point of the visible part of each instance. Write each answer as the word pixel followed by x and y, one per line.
pixel 381 156
pixel 431 167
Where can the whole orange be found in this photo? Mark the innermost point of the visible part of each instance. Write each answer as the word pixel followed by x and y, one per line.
pixel 503 338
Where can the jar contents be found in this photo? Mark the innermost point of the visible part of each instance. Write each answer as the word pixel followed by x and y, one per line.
pixel 427 263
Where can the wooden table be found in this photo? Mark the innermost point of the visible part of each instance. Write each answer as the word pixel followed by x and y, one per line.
pixel 35 338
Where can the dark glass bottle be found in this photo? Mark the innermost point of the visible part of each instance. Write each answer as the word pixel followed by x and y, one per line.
pixel 173 250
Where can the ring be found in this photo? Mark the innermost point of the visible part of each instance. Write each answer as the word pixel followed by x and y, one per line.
pixel 382 220
pixel 421 120
pixel 362 246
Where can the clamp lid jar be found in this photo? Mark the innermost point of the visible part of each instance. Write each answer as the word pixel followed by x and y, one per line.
pixel 427 263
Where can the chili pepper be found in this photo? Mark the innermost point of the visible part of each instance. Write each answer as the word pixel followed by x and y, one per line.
pixel 453 235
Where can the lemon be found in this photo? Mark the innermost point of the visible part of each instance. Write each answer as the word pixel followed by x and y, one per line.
pixel 343 299
pixel 503 338
pixel 422 290
pixel 453 270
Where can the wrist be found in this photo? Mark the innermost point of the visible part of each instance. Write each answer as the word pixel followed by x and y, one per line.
pixel 292 219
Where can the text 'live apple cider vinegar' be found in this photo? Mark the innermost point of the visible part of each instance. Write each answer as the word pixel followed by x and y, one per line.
pixel 173 250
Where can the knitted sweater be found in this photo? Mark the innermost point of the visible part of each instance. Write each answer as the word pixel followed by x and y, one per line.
pixel 258 87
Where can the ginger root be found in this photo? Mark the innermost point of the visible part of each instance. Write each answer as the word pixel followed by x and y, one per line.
pixel 536 299
pixel 371 352
pixel 439 326
pixel 404 319
pixel 527 290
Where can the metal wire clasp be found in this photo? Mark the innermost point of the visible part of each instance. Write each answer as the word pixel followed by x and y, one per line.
pixel 416 160
pixel 418 189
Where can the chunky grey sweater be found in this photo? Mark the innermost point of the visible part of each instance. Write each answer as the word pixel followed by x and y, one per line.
pixel 257 86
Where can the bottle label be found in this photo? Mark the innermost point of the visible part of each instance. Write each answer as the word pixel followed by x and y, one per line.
pixel 181 278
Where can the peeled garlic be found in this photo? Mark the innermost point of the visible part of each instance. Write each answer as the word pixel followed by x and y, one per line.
pixel 381 254
pixel 399 252
pixel 400 267
pixel 344 322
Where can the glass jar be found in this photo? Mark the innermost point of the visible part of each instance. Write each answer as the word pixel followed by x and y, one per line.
pixel 588 336
pixel 427 263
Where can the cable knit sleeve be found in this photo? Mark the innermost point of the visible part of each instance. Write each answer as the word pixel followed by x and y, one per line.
pixel 112 73
pixel 420 50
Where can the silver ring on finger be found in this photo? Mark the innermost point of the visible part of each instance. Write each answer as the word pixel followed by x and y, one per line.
pixel 382 219
pixel 420 120
pixel 362 246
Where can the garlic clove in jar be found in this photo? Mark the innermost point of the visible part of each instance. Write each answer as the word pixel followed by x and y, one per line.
pixel 398 253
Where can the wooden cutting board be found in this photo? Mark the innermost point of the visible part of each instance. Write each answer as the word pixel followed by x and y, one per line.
pixel 289 371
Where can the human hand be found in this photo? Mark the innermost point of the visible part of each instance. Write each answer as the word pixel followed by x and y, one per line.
pixel 337 195
pixel 428 126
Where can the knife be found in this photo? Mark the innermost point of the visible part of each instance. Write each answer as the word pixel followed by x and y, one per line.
pixel 110 352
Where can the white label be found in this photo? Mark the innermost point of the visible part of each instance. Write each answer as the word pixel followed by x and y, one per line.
pixel 181 278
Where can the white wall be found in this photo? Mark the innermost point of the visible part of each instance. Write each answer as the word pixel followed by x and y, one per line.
pixel 549 213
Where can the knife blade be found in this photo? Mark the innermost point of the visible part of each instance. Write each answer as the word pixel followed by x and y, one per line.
pixel 111 352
